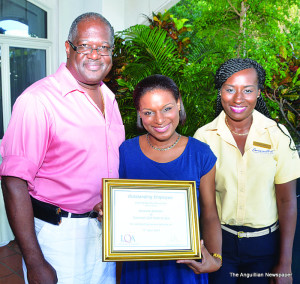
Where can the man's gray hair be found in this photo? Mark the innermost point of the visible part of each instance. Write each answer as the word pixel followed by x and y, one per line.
pixel 90 16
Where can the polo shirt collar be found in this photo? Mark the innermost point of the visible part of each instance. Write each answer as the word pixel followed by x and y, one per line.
pixel 66 80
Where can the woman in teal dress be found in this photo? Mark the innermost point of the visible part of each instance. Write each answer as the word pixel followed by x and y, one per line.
pixel 164 154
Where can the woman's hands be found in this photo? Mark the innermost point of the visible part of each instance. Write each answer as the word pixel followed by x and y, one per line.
pixel 208 264
pixel 284 270
pixel 98 208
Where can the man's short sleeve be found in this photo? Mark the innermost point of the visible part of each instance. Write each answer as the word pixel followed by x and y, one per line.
pixel 25 142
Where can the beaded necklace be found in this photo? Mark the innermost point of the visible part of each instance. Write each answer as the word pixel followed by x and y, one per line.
pixel 162 149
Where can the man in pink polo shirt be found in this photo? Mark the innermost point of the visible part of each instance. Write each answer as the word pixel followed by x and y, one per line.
pixel 63 138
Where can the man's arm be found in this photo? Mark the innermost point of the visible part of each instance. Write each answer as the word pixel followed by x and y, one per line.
pixel 20 216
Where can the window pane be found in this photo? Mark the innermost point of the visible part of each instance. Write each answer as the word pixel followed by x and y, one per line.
pixel 27 66
pixel 1 110
pixel 22 18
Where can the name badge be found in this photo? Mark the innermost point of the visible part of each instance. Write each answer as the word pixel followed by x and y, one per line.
pixel 262 145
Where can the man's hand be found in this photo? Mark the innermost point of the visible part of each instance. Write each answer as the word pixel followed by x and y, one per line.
pixel 98 208
pixel 42 273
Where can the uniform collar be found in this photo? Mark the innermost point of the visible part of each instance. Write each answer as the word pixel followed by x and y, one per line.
pixel 261 122
pixel 219 125
pixel 258 128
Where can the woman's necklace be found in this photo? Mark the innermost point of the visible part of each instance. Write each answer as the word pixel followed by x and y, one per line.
pixel 162 149
pixel 239 134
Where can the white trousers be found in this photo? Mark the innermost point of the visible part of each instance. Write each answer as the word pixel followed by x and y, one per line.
pixel 74 249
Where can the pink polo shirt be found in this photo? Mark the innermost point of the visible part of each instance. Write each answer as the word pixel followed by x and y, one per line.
pixel 60 143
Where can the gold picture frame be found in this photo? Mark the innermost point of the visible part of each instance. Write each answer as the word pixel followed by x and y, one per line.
pixel 150 220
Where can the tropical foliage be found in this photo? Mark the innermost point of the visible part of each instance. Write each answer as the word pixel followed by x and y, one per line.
pixel 190 50
pixel 284 90
pixel 266 31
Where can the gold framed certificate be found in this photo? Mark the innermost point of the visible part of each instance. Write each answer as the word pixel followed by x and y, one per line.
pixel 150 220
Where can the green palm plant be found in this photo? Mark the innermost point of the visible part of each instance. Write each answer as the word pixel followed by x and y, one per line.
pixel 153 53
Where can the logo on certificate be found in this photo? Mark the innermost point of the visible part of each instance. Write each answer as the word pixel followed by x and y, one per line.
pixel 127 238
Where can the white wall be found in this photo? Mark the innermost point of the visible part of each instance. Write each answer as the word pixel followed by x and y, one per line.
pixel 136 9
pixel 125 13
pixel 120 13
pixel 113 11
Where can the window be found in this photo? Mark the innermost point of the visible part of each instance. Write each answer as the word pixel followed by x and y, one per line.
pixel 22 18
pixel 24 49
pixel 22 74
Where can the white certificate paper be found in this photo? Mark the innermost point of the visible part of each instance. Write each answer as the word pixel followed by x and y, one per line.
pixel 150 219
